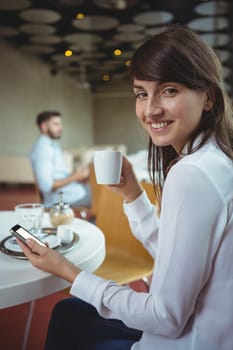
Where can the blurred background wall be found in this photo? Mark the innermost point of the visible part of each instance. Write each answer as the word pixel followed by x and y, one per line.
pixel 115 121
pixel 27 87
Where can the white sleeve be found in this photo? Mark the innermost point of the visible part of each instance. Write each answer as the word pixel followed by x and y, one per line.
pixel 144 222
pixel 191 224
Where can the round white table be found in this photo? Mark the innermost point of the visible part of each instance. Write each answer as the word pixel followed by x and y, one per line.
pixel 20 282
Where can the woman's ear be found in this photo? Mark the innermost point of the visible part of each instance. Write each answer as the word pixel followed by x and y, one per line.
pixel 208 104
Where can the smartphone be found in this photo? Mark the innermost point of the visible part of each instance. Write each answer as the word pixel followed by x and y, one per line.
pixel 23 234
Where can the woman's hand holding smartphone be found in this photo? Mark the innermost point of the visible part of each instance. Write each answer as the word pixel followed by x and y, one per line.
pixel 23 234
pixel 42 257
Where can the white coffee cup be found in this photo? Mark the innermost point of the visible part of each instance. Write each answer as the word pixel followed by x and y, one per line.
pixel 65 233
pixel 107 165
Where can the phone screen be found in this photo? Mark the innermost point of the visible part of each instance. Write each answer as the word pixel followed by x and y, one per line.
pixel 23 234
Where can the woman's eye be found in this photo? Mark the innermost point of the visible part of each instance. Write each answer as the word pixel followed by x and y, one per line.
pixel 140 94
pixel 170 91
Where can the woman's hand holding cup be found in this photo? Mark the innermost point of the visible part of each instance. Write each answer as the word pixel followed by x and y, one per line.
pixel 114 170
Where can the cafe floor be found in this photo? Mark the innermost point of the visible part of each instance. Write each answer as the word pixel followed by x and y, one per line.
pixel 13 319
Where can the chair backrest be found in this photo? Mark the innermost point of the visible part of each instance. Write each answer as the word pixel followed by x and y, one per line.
pixel 113 222
pixel 149 188
pixel 95 190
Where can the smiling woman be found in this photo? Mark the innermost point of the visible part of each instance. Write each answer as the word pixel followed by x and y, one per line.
pixel 181 86
pixel 182 105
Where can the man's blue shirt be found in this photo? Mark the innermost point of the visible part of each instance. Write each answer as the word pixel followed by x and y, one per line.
pixel 48 164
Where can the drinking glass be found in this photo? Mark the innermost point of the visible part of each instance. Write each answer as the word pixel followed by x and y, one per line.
pixel 29 215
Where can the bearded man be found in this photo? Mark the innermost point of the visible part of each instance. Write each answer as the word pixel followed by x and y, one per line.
pixel 47 160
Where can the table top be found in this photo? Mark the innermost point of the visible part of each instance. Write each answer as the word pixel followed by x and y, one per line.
pixel 20 282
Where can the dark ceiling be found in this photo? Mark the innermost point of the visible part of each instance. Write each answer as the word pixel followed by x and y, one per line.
pixel 49 28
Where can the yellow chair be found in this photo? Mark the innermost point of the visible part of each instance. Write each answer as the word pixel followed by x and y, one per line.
pixel 126 258
pixel 149 188
pixel 95 190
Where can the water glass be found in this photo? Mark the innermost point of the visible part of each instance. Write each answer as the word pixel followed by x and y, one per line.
pixel 29 215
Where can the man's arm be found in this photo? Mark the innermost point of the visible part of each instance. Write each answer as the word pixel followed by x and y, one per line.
pixel 80 175
pixel 44 167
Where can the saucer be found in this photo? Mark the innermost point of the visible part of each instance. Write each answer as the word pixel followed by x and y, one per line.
pixel 10 246
pixel 52 241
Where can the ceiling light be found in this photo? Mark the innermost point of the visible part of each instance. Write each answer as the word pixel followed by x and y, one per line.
pixel 80 16
pixel 117 52
pixel 106 77
pixel 128 63
pixel 68 53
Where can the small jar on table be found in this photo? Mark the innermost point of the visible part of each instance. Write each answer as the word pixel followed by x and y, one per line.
pixel 61 213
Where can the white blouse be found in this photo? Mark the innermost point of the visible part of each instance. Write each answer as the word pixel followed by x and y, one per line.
pixel 190 303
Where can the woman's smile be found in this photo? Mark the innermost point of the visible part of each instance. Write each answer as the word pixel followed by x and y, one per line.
pixel 160 126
